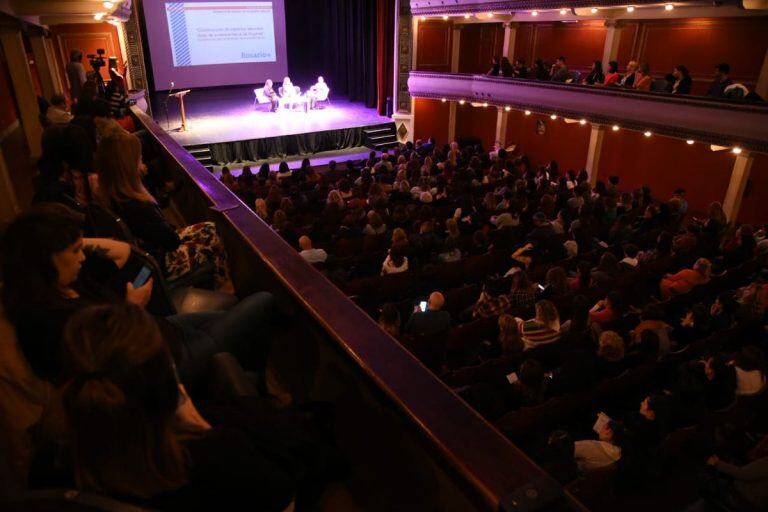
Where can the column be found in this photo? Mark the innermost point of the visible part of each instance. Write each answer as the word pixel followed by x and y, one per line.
pixel 45 67
pixel 596 136
pixel 502 116
pixel 739 178
pixel 510 33
pixel 24 88
pixel 612 40
pixel 455 53
pixel 406 33
pixel 9 208
pixel 761 87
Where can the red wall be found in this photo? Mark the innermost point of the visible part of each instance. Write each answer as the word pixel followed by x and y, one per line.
pixel 86 37
pixel 665 164
pixel 431 120
pixel 754 205
pixel 476 123
pixel 478 44
pixel 8 111
pixel 565 143
pixel 433 49
pixel 581 43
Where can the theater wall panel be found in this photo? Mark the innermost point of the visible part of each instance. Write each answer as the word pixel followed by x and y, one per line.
pixel 473 123
pixel 433 51
pixel 479 43
pixel 431 120
pixel 542 140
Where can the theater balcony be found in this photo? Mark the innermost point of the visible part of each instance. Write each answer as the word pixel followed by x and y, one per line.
pixel 716 122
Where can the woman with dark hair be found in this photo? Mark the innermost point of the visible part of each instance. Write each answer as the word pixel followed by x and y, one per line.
pixel 134 433
pixel 749 364
pixel 596 75
pixel 583 278
pixel 65 166
pixel 683 82
pixel 741 247
pixel 663 249
pixel 540 71
pixel 395 262
pixel 263 173
pixel 605 451
pixel 605 274
pixel 612 77
pixel 50 272
pixel 506 68
pixel 607 311
pixel 495 66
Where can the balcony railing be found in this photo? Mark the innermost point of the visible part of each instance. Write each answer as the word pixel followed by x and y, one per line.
pixel 718 122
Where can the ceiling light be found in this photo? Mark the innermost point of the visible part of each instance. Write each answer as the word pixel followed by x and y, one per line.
pixel 615 128
pixel 444 100
pixel 736 150
pixel 563 12
pixel 467 16
pixel 583 122
pixel 647 134
pixel 99 15
pixel 461 102
pixel 108 5
pixel 490 15
pixel 669 7
pixel 527 112
pixel 690 142
pixel 630 8
pixel 593 10
pixel 445 18
pixel 423 18
pixel 507 108
pixel 485 104
pixel 534 13
pixel 114 22
pixel 553 117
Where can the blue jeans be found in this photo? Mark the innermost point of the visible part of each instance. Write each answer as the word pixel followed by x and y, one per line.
pixel 242 331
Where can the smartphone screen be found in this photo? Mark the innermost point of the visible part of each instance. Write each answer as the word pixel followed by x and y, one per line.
pixel 142 277
pixel 423 306
pixel 540 287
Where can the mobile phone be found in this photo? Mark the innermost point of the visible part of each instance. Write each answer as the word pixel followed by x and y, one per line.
pixel 423 306
pixel 540 287
pixel 143 276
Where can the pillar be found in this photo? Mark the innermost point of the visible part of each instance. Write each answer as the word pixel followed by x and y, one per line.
pixel 406 33
pixel 612 40
pixel 9 207
pixel 24 88
pixel 46 66
pixel 739 178
pixel 510 33
pixel 455 53
pixel 596 135
pixel 761 87
pixel 502 116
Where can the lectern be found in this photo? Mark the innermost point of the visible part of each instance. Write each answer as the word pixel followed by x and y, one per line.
pixel 180 95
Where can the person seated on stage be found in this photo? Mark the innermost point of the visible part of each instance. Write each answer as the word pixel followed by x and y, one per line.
pixel 270 93
pixel 289 96
pixel 319 91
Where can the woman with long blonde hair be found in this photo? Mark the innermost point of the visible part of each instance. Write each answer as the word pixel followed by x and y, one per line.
pixel 179 251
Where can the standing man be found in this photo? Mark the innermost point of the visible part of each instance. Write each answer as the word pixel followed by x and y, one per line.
pixel 75 73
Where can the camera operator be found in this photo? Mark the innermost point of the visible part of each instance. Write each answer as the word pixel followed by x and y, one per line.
pixel 76 73
pixel 116 94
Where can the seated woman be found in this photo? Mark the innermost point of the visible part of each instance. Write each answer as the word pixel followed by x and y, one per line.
pixel 179 251
pixel 544 328
pixel 289 96
pixel 749 364
pixel 685 280
pixel 593 454
pixel 51 272
pixel 395 262
pixel 134 433
pixel 610 355
pixel 608 310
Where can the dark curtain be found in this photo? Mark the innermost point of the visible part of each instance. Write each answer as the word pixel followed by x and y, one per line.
pixel 335 39
pixel 385 53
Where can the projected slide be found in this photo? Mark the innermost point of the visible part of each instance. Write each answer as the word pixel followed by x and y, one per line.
pixel 205 33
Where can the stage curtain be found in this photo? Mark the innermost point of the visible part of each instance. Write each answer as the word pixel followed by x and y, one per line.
pixel 335 39
pixel 385 53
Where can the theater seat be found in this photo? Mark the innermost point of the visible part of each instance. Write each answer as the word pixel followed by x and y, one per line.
pixel 65 500
pixel 198 300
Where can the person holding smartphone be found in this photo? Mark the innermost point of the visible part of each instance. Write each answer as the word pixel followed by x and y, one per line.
pixel 428 318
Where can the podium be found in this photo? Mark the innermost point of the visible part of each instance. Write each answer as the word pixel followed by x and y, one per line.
pixel 180 96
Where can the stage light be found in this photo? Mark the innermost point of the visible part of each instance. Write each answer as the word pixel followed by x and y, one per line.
pixel 736 150
pixel 583 122
pixel 630 8
pixel 553 117
pixel 507 109
pixel 669 7
pixel 690 142
pixel 593 10
pixel 461 102
pixel 99 15
pixel 445 18
pixel 647 134
pixel 534 13
pixel 108 5
pixel 467 16
pixel 527 112
pixel 563 12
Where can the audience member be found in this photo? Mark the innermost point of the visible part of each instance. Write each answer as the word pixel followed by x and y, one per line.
pixel 310 254
pixel 559 71
pixel 431 321
pixel 721 81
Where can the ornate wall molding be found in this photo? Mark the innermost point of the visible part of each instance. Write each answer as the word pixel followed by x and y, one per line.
pixel 405 57
pixel 132 34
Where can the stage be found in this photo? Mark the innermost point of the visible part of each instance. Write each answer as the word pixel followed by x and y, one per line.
pixel 226 122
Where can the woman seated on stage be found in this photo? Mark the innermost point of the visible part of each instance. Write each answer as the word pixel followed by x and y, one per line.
pixel 318 92
pixel 290 95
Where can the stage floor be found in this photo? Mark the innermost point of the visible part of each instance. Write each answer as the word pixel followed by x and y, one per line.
pixel 228 115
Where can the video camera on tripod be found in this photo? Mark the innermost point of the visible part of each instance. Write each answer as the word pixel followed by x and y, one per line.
pixel 97 59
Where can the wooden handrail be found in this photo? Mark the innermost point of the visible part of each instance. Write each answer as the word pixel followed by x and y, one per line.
pixel 478 454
